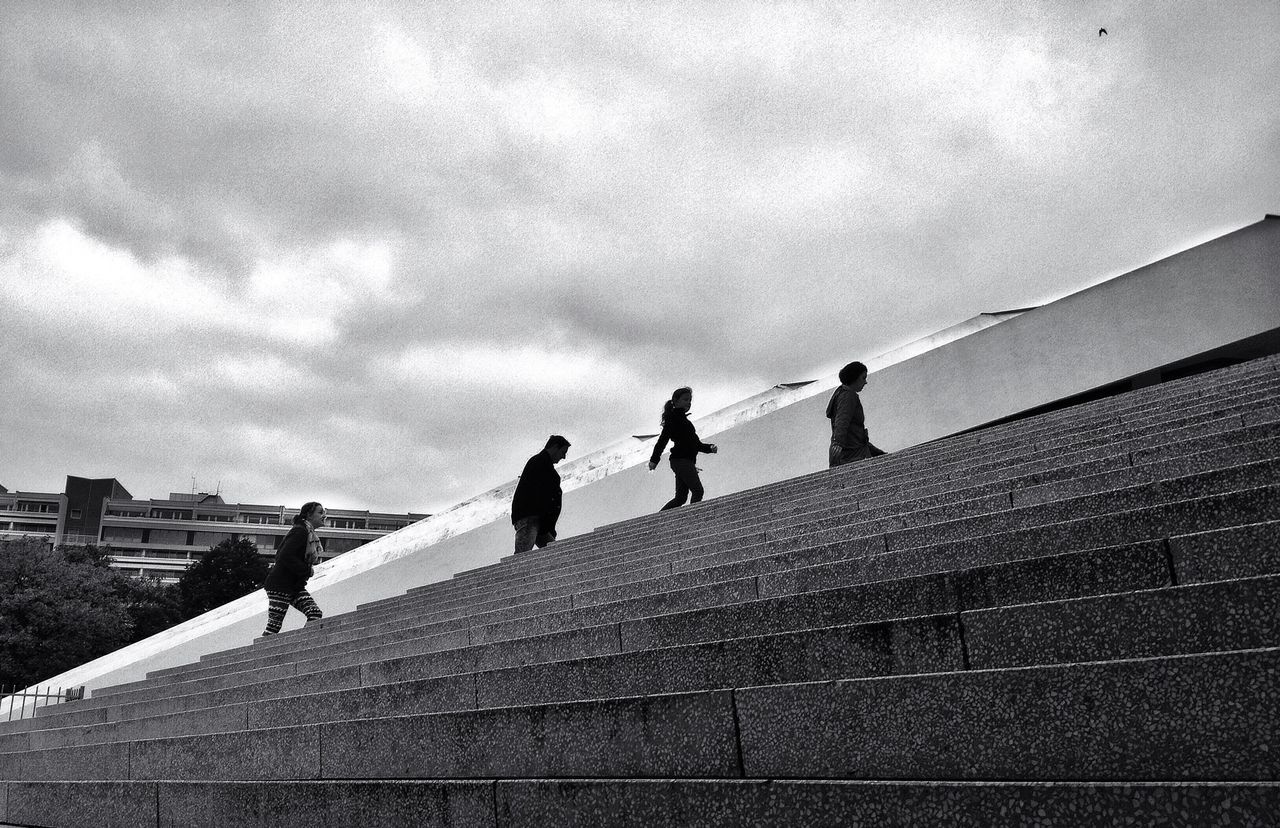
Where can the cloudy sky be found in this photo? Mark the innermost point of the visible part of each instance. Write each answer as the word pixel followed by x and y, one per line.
pixel 374 253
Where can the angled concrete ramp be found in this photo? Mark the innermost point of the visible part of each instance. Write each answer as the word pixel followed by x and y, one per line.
pixel 1216 303
pixel 1068 619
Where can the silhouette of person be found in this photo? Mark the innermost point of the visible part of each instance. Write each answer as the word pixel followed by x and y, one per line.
pixel 286 583
pixel 685 446
pixel 535 507
pixel 849 438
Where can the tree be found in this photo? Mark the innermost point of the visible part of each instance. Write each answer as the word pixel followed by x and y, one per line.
pixel 99 556
pixel 226 572
pixel 57 610
pixel 152 606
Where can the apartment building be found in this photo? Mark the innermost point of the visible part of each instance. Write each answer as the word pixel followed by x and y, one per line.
pixel 160 538
pixel 26 514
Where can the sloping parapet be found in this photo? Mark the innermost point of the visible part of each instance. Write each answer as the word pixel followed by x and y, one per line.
pixel 470 534
pixel 994 365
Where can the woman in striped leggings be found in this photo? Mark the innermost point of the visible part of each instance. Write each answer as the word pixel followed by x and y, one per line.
pixel 287 581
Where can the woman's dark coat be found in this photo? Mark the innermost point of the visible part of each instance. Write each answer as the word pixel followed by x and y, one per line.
pixel 291 571
pixel 848 424
pixel 685 444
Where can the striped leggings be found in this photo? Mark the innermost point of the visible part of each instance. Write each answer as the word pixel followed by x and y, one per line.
pixel 278 604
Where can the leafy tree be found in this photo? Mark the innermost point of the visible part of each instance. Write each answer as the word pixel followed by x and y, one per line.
pixel 57 610
pixel 99 556
pixel 152 606
pixel 226 572
pixel 60 608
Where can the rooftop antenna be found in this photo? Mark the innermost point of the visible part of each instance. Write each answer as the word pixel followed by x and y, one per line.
pixel 193 484
pixel 218 490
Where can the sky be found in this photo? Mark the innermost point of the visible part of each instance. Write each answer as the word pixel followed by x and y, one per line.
pixel 374 253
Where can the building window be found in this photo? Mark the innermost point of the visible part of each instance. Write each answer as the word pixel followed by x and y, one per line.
pixel 75 514
pixel 337 546
pixel 122 533
pixel 170 514
pixel 209 539
pixel 167 537
pixel 346 523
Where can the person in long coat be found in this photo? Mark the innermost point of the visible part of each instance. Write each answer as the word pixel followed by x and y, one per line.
pixel 850 440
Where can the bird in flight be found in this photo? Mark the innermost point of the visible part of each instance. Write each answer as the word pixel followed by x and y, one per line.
pixel 1101 32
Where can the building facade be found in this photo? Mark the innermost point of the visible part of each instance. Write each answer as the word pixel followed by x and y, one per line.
pixel 160 538
pixel 27 514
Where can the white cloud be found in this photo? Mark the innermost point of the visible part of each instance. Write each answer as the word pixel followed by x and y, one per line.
pixel 481 366
pixel 71 279
pixel 299 295
pixel 258 372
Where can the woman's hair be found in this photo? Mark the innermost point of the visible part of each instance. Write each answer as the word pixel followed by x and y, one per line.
pixel 307 508
pixel 669 405
pixel 851 372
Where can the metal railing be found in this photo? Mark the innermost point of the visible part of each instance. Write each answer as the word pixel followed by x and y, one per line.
pixel 23 701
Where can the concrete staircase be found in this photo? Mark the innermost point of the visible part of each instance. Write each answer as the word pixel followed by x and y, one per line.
pixel 1069 619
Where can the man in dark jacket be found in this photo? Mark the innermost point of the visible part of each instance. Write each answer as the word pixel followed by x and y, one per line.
pixel 536 504
pixel 849 438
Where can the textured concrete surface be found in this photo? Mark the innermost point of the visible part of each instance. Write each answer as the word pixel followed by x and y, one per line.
pixel 783 804
pixel 186 696
pixel 208 720
pixel 680 735
pixel 727 592
pixel 109 761
pixel 1068 575
pixel 277 753
pixel 326 805
pixel 1080 535
pixel 1239 551
pixel 214 680
pixel 885 648
pixel 83 804
pixel 1206 717
pixel 1230 615
pixel 405 698
pixel 589 641
pixel 886 599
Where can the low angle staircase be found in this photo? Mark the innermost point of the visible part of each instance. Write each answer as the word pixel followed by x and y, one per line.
pixel 1073 618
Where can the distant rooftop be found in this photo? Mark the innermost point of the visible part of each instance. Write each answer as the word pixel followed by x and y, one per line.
pixel 197 497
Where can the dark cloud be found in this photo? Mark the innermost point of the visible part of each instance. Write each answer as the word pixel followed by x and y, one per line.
pixel 339 246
